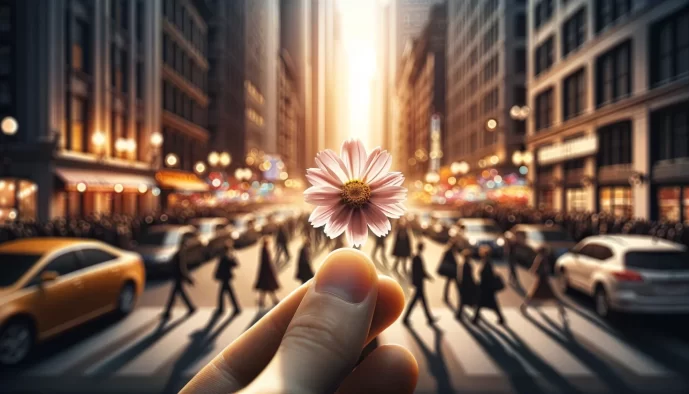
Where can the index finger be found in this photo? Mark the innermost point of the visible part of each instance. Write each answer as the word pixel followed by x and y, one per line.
pixel 241 361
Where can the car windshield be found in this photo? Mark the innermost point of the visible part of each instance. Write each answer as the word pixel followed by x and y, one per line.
pixel 160 238
pixel 205 227
pixel 549 236
pixel 14 266
pixel 655 260
pixel 482 228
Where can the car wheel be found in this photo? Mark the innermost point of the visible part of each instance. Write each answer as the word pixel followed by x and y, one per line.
pixel 564 281
pixel 16 341
pixel 602 303
pixel 126 299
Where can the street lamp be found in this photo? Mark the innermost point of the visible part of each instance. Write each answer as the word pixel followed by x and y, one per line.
pixel 243 174
pixel 491 124
pixel 225 159
pixel 9 125
pixel 432 177
pixel 459 168
pixel 520 112
pixel 171 160
pixel 200 167
pixel 213 159
pixel 156 140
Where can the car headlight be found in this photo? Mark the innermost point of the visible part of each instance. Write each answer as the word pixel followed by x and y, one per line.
pixel 500 242
pixel 424 226
pixel 235 234
pixel 453 231
pixel 258 229
pixel 472 241
pixel 163 257
pixel 438 228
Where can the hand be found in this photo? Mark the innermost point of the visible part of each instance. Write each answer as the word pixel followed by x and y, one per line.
pixel 311 341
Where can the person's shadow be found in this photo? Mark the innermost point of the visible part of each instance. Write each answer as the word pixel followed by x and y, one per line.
pixel 434 359
pixel 566 340
pixel 201 344
pixel 515 372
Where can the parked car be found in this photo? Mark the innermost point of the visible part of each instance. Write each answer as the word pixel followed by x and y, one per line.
pixel 527 239
pixel 440 226
pixel 628 273
pixel 475 233
pixel 161 244
pixel 50 285
pixel 213 232
pixel 245 232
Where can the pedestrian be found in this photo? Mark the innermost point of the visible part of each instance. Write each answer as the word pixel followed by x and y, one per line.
pixel 223 274
pixel 511 257
pixel 448 269
pixel 180 274
pixel 542 290
pixel 304 270
pixel 490 285
pixel 380 247
pixel 266 282
pixel 338 242
pixel 281 245
pixel 402 247
pixel 419 277
pixel 468 290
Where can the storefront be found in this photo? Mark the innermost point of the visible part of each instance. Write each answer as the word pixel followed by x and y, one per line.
pixel 82 192
pixel 576 191
pixel 180 187
pixel 18 199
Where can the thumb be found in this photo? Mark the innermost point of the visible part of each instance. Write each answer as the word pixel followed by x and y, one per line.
pixel 328 331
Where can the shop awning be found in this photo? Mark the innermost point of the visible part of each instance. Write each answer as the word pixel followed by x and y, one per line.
pixel 102 179
pixel 180 181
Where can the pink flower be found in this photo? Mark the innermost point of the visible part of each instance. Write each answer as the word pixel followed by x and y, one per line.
pixel 354 191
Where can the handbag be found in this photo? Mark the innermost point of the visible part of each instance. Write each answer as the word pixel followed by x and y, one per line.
pixel 498 283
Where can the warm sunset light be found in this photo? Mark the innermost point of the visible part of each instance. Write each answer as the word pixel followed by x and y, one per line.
pixel 358 31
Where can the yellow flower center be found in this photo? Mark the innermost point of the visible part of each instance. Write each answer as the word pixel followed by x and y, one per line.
pixel 355 193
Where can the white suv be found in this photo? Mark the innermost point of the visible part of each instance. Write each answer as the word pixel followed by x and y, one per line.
pixel 628 273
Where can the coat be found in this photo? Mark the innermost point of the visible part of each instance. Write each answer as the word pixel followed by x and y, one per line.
pixel 418 272
pixel 448 265
pixel 223 272
pixel 304 271
pixel 402 243
pixel 267 280
pixel 180 271
pixel 542 290
pixel 468 289
pixel 486 289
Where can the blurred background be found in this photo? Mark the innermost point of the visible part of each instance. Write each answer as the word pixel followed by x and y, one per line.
pixel 136 131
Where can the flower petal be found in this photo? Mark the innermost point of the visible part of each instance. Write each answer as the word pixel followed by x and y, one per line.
pixel 378 167
pixel 394 211
pixel 389 194
pixel 357 232
pixel 376 220
pixel 354 156
pixel 322 195
pixel 329 162
pixel 389 179
pixel 338 222
pixel 322 214
pixel 318 177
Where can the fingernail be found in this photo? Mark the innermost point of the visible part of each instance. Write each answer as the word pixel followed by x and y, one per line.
pixel 347 274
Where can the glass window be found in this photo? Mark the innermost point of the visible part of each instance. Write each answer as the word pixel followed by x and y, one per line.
pixel 546 199
pixel 616 200
pixel 577 200
pixel 544 109
pixel 670 57
pixel 64 264
pixel 78 125
pixel 93 256
pixel 574 32
pixel 5 18
pixel 14 266
pixel 655 260
pixel 686 205
pixel 669 203
pixel 160 238
pixel 671 139
pixel 574 94
pixel 613 75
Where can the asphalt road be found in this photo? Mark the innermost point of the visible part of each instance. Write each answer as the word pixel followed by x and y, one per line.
pixel 531 354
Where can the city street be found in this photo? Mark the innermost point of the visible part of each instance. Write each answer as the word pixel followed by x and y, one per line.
pixel 529 355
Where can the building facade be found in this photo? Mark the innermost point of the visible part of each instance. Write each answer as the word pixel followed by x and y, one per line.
pixel 289 113
pixel 256 69
pixel 76 77
pixel 609 91
pixel 421 95
pixel 486 66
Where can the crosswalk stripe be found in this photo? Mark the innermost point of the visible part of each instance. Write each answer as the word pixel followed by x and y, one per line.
pixel 615 348
pixel 66 360
pixel 227 336
pixel 159 354
pixel 473 359
pixel 175 319
pixel 542 345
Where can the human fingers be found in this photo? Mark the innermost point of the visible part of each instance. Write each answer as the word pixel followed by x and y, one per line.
pixel 389 369
pixel 241 361
pixel 327 333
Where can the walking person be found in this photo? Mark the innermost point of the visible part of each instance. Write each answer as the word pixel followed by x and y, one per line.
pixel 419 277
pixel 380 247
pixel 542 290
pixel 180 274
pixel 402 247
pixel 448 269
pixel 281 245
pixel 511 257
pixel 223 274
pixel 267 280
pixel 304 270
pixel 490 285
pixel 468 289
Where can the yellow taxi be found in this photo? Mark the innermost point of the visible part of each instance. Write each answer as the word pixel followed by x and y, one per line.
pixel 49 285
